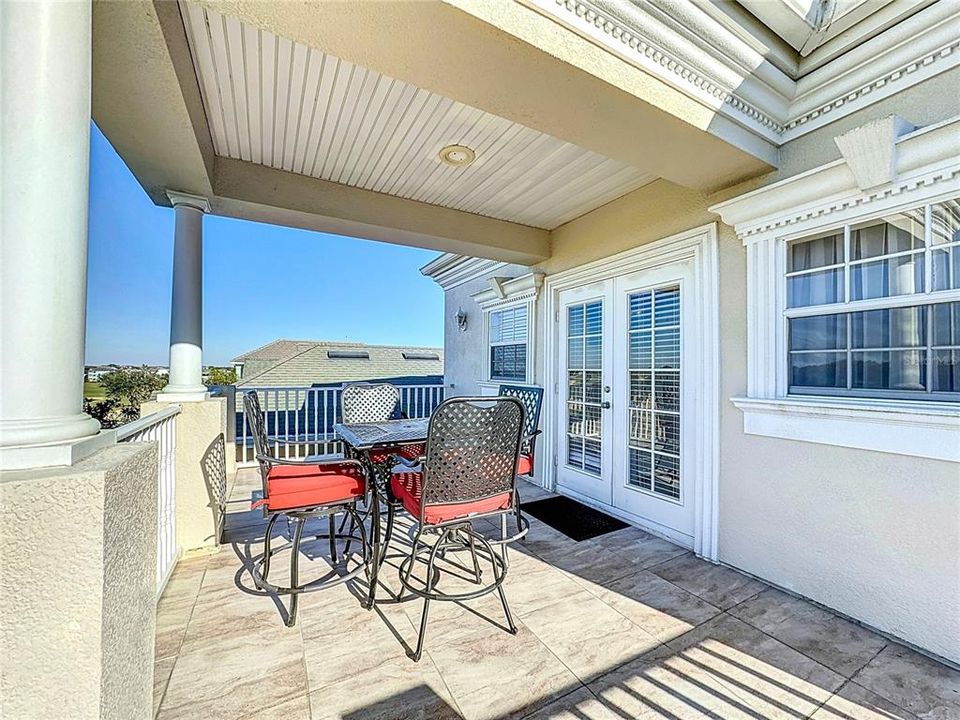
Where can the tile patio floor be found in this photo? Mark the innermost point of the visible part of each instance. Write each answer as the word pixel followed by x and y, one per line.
pixel 623 626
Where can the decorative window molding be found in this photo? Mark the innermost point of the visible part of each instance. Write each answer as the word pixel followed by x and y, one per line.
pixel 923 167
pixel 735 72
pixel 451 270
pixel 506 294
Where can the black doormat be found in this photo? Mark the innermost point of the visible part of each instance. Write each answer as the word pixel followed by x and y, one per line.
pixel 575 520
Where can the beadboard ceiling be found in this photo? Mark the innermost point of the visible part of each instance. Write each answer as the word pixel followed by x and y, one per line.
pixel 278 103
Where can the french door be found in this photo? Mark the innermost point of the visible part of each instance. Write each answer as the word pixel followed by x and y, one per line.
pixel 624 429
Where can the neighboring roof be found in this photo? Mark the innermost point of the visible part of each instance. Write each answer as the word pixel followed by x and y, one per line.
pixel 302 363
pixel 276 350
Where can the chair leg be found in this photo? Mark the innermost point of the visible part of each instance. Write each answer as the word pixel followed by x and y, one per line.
pixel 391 514
pixel 506 611
pixel 503 536
pixel 431 560
pixel 332 535
pixel 376 542
pixel 473 554
pixel 267 552
pixel 294 572
pixel 346 547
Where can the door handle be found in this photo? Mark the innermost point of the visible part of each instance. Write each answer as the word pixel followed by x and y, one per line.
pixel 605 404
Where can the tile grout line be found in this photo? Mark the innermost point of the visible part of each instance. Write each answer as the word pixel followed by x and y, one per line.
pixel 176 655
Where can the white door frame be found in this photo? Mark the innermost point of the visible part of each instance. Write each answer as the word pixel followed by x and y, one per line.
pixel 701 245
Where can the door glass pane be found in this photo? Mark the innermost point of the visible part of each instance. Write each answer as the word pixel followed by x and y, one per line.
pixel 584 386
pixel 653 415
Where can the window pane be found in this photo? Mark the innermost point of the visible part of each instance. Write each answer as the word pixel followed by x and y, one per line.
pixel 666 476
pixel 818 370
pixel 827 332
pixel 640 475
pixel 893 234
pixel 641 428
pixel 575 352
pixel 592 388
pixel 593 352
pixel 946 324
pixel 508 362
pixel 817 288
pixel 667 307
pixel 667 436
pixel 886 278
pixel 946 371
pixel 667 348
pixel 817 252
pixel 894 370
pixel 594 318
pixel 667 394
pixel 898 327
pixel 641 352
pixel 641 390
pixel 575 320
pixel 640 310
pixel 946 268
pixel 945 218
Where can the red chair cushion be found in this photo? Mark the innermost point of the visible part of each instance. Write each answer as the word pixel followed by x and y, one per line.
pixel 525 465
pixel 407 489
pixel 408 452
pixel 303 486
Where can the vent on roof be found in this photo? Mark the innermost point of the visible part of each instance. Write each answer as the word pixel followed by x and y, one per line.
pixel 348 354
pixel 421 356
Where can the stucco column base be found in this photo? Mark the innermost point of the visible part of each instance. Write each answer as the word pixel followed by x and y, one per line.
pixel 199 425
pixel 78 574
pixel 176 394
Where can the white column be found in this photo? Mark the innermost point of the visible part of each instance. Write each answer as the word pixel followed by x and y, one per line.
pixel 45 69
pixel 186 312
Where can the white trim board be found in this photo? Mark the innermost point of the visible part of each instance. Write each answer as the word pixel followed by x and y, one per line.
pixel 701 246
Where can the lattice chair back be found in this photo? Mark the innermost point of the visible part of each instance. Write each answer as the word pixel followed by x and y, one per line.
pixel 258 428
pixel 472 449
pixel 531 397
pixel 362 403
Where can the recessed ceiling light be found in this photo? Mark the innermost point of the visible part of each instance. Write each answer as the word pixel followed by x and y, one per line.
pixel 457 155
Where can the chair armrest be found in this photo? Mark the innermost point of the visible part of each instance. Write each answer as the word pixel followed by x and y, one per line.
pixel 410 462
pixel 271 460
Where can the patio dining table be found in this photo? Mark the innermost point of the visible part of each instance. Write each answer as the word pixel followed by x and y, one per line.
pixel 366 439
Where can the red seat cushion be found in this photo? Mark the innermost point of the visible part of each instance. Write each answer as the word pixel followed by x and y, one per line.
pixel 525 465
pixel 303 486
pixel 409 452
pixel 407 489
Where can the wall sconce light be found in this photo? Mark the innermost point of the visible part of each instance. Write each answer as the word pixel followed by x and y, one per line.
pixel 461 318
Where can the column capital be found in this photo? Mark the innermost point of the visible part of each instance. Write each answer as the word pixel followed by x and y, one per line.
pixel 196 202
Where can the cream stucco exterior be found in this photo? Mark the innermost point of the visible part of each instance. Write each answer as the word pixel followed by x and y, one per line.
pixel 873 535
pixel 78 582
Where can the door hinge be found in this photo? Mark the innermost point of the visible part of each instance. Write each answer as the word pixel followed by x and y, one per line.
pixel 554 459
pixel 556 387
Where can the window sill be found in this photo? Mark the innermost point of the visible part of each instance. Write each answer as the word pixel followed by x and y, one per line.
pixel 930 430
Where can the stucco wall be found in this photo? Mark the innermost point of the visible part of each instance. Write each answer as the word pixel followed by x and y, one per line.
pixel 78 564
pixel 464 356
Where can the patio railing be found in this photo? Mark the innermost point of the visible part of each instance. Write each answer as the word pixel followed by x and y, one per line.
pixel 303 418
pixel 161 427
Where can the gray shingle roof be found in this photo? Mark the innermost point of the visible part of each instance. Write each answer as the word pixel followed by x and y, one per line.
pixel 301 363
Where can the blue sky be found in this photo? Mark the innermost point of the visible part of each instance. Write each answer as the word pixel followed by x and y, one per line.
pixel 261 282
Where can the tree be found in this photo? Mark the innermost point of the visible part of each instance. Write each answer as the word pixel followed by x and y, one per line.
pixel 222 376
pixel 125 390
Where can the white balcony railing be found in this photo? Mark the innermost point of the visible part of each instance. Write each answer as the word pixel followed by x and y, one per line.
pixel 303 418
pixel 160 427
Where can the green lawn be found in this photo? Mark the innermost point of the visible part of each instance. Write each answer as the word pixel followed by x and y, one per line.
pixel 93 391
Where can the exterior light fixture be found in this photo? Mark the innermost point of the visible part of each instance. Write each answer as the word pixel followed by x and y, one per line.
pixel 457 155
pixel 461 318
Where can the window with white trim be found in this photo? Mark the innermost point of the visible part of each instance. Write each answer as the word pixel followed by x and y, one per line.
pixel 873 308
pixel 508 333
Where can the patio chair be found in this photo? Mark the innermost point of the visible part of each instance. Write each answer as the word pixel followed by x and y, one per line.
pixel 372 403
pixel 468 474
pixel 300 490
pixel 531 397
pixel 366 403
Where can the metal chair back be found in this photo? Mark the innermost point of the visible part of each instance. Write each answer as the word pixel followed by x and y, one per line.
pixel 531 397
pixel 472 449
pixel 258 428
pixel 362 402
